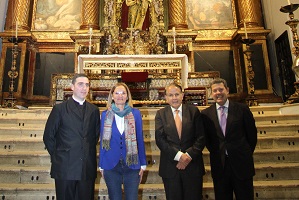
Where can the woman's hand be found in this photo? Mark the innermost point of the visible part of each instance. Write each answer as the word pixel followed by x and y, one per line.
pixel 140 174
pixel 102 173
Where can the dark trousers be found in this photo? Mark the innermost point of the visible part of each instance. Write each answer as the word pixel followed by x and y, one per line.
pixel 183 186
pixel 74 189
pixel 228 184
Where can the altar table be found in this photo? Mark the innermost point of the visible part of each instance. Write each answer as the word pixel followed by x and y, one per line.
pixel 151 63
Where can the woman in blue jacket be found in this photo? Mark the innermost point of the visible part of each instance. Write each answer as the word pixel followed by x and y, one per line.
pixel 122 151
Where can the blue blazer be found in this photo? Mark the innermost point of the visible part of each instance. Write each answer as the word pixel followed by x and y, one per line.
pixel 109 159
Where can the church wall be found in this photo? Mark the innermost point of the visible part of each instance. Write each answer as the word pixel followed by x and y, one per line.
pixel 275 20
pixel 272 17
pixel 3 8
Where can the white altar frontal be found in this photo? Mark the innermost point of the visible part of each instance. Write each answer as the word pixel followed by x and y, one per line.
pixel 154 64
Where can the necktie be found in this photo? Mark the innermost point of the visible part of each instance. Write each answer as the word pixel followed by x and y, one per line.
pixel 178 122
pixel 222 119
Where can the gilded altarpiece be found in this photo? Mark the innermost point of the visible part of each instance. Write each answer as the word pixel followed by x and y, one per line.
pixel 98 29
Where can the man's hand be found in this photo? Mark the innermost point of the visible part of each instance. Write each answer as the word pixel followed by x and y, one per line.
pixel 184 161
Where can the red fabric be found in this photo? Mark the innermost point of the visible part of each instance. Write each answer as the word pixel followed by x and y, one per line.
pixel 134 76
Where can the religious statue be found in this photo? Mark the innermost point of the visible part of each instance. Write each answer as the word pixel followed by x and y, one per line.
pixel 137 12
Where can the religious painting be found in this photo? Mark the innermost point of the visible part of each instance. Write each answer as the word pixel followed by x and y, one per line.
pixel 57 15
pixel 210 14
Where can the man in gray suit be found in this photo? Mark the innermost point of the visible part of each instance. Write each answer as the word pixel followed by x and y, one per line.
pixel 181 163
pixel 231 144
pixel 71 135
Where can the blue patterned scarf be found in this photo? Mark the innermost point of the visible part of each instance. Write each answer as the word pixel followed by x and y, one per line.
pixel 129 129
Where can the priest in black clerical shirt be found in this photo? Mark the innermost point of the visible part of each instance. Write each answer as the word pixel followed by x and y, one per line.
pixel 71 135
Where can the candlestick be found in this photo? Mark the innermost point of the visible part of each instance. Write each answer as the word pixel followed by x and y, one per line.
pixel 246 35
pixel 292 23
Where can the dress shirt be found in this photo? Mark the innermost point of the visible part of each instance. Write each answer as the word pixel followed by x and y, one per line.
pixel 120 123
pixel 225 109
pixel 179 153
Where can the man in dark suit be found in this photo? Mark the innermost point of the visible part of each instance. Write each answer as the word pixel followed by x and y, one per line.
pixel 181 163
pixel 71 135
pixel 231 145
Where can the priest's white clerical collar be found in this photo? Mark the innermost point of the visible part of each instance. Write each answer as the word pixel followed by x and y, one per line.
pixel 80 102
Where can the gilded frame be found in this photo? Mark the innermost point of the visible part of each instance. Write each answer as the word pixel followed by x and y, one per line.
pixel 56 15
pixel 211 14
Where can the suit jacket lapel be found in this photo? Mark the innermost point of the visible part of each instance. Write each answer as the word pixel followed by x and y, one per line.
pixel 185 118
pixel 231 109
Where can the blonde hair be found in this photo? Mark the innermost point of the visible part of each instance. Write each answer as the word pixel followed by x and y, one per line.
pixel 110 100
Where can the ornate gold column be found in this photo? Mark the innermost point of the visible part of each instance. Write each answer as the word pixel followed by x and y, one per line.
pixel 18 14
pixel 250 12
pixel 90 14
pixel 177 14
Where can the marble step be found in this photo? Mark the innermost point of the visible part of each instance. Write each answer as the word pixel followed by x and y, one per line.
pixel 274 190
pixel 149 132
pixel 263 142
pixel 277 119
pixel 41 174
pixel 21 132
pixel 277 142
pixel 147 112
pixel 260 156
pixel 148 124
pixel 278 130
pixel 42 158
pixel 9 144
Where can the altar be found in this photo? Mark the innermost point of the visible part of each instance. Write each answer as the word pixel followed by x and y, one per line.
pixel 154 71
pixel 154 64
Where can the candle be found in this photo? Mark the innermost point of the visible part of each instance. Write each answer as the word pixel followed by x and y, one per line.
pixel 289 2
pixel 90 34
pixel 174 42
pixel 246 36
pixel 16 29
